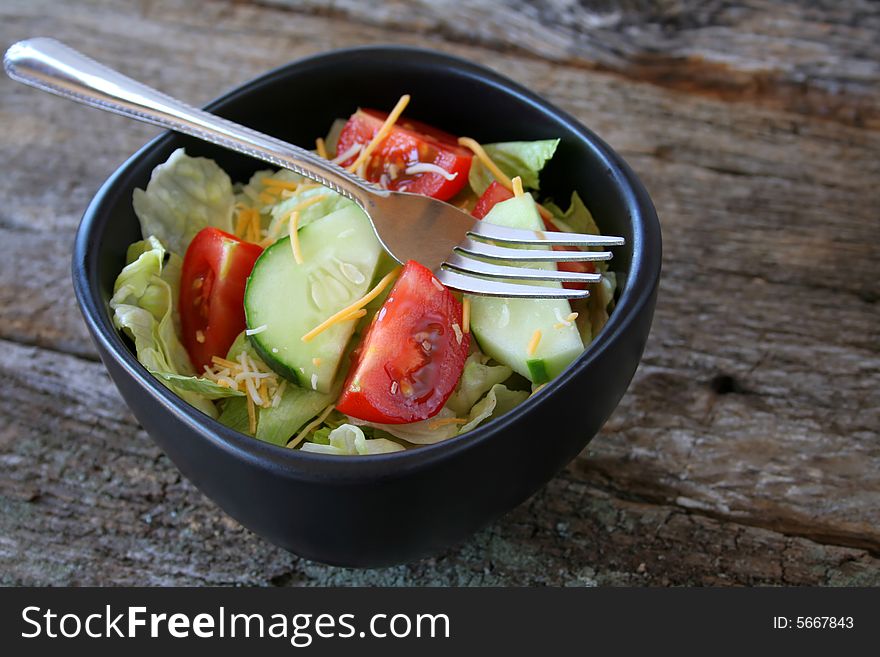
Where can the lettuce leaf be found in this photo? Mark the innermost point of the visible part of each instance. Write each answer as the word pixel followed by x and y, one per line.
pixel 276 424
pixel 476 380
pixel 498 401
pixel 577 219
pixel 332 202
pixel 204 387
pixel 594 312
pixel 515 158
pixel 426 432
pixel 184 195
pixel 349 440
pixel 143 303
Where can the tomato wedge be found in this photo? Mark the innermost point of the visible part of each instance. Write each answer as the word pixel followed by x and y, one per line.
pixel 408 145
pixel 215 270
pixel 411 357
pixel 495 193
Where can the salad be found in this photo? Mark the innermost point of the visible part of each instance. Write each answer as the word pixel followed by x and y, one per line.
pixel 272 307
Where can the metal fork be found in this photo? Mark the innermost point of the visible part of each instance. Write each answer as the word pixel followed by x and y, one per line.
pixel 410 226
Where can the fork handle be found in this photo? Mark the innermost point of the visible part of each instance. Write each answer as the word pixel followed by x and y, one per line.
pixel 50 65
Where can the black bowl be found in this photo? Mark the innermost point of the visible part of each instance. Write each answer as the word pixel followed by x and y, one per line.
pixel 387 509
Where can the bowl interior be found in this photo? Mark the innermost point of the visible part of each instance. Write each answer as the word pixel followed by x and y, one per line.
pixel 298 103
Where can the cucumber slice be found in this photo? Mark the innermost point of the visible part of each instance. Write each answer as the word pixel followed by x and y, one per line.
pixel 340 253
pixel 504 327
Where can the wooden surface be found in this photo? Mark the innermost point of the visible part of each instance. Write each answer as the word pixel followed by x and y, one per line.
pixel 746 450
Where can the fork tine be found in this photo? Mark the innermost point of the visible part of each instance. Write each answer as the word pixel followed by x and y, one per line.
pixel 490 288
pixel 471 266
pixel 538 237
pixel 484 250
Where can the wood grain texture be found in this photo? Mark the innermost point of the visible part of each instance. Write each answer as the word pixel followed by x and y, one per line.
pixel 816 58
pixel 746 450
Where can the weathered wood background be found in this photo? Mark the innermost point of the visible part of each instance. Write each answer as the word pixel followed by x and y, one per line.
pixel 746 450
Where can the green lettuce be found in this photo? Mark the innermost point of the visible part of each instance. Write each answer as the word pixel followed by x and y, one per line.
pixel 332 138
pixel 204 387
pixel 476 380
pixel 143 303
pixel 577 219
pixel 333 201
pixel 498 401
pixel 515 158
pixel 275 424
pixel 425 432
pixel 184 195
pixel 349 440
pixel 593 313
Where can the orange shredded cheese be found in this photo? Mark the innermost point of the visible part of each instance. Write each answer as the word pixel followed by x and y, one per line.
pixel 294 238
pixel 474 145
pixel 533 343
pixel 255 226
pixel 314 424
pixel 442 422
pixel 321 147
pixel 275 226
pixel 223 362
pixel 466 315
pixel 252 415
pixel 267 198
pixel 381 134
pixel 354 308
pixel 279 185
pixel 571 317
pixel 517 186
pixel 241 223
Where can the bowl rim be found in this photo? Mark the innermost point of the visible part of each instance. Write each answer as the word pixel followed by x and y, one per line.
pixel 642 281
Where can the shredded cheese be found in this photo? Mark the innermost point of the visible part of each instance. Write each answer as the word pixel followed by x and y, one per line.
pixel 267 198
pixel 241 223
pixel 276 398
pixel 350 152
pixel 314 424
pixel 566 321
pixel 466 315
pixel 275 226
pixel 252 415
pixel 429 167
pixel 442 422
pixel 533 343
pixel 474 145
pixel 459 336
pixel 321 147
pixel 294 238
pixel 517 186
pixel 354 308
pixel 280 184
pixel 257 330
pixel 381 134
pixel 223 362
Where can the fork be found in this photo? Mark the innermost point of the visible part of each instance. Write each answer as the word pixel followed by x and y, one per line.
pixel 469 256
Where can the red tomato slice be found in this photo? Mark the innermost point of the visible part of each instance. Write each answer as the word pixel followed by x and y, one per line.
pixel 408 144
pixel 215 270
pixel 495 193
pixel 410 359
